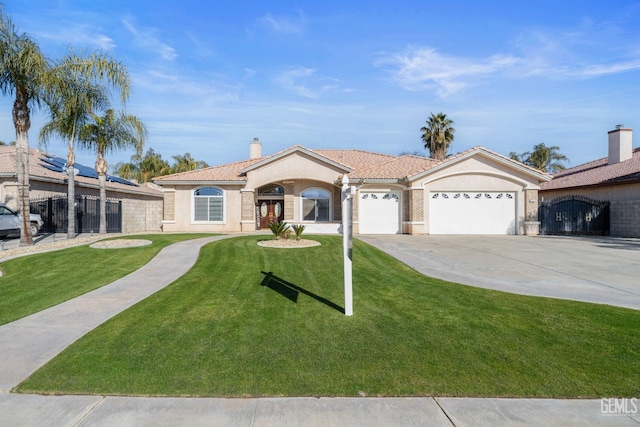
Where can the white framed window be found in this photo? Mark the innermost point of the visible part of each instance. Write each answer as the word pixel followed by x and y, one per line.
pixel 208 204
pixel 316 205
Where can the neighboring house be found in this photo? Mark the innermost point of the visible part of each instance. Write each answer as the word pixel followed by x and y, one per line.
pixel 474 192
pixel 141 205
pixel 613 181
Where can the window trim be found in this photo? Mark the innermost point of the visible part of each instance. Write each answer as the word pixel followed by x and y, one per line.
pixel 193 205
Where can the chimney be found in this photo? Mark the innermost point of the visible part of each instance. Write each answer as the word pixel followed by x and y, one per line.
pixel 620 144
pixel 255 149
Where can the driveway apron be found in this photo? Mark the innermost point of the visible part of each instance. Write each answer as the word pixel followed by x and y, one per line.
pixel 600 270
pixel 28 343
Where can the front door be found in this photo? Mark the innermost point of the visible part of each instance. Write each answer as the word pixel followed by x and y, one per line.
pixel 270 211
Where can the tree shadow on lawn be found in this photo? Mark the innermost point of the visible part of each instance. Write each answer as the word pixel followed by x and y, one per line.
pixel 291 291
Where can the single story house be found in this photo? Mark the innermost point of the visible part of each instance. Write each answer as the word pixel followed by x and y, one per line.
pixel 614 180
pixel 141 204
pixel 474 192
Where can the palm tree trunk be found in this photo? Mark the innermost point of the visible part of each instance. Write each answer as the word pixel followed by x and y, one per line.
pixel 22 124
pixel 71 193
pixel 101 168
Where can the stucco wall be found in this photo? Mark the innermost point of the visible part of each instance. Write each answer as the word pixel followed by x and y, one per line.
pixel 184 211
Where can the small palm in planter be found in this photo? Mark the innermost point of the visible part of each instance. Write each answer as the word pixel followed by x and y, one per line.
pixel 298 229
pixel 279 229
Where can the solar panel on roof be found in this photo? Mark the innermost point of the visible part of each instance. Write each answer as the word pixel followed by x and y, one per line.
pixel 57 164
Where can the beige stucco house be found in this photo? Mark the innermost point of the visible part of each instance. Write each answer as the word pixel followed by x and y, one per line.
pixel 474 192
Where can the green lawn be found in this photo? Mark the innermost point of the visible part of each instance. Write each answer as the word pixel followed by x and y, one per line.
pixel 36 282
pixel 254 321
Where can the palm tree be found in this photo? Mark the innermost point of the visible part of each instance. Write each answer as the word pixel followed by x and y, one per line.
pixel 438 135
pixel 186 163
pixel 23 73
pixel 543 158
pixel 108 133
pixel 77 92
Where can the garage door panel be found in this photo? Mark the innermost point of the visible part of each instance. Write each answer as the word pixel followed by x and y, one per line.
pixel 379 212
pixel 472 213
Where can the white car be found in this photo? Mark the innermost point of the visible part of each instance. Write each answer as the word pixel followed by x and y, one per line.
pixel 10 222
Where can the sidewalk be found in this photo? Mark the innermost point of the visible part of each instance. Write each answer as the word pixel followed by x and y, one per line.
pixel 28 343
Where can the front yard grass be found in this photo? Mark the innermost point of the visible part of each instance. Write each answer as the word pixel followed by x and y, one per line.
pixel 254 321
pixel 36 282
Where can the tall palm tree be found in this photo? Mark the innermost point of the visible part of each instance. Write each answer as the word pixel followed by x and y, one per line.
pixel 543 158
pixel 108 133
pixel 23 73
pixel 437 135
pixel 76 92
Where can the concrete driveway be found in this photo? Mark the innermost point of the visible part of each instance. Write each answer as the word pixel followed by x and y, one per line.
pixel 594 269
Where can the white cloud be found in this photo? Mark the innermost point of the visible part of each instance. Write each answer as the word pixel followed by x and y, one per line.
pixel 283 24
pixel 585 52
pixel 80 34
pixel 146 38
pixel 295 80
pixel 426 68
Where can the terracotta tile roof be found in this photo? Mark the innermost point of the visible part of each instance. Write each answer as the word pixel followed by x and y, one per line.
pixel 355 159
pixel 396 168
pixel 39 171
pixel 364 165
pixel 597 172
pixel 226 172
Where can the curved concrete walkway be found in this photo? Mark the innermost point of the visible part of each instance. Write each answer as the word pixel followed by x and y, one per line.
pixel 28 343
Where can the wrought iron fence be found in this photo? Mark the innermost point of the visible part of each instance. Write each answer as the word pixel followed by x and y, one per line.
pixel 55 215
pixel 574 215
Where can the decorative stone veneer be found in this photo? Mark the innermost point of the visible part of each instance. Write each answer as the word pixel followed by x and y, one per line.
pixel 169 206
pixel 625 218
pixel 531 205
pixel 288 200
pixel 248 205
pixel 337 205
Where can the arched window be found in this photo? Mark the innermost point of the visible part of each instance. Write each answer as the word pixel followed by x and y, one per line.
pixel 316 205
pixel 208 204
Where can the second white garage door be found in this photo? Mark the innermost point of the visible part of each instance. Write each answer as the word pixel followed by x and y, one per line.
pixel 472 213
pixel 379 212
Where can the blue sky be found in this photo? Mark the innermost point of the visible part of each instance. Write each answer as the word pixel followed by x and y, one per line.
pixel 208 77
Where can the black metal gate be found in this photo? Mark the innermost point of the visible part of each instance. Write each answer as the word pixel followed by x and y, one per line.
pixel 574 215
pixel 54 214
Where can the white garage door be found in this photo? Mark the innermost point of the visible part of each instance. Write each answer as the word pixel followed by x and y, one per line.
pixel 379 212
pixel 472 213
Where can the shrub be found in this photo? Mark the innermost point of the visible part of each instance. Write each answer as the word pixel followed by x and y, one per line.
pixel 298 229
pixel 279 229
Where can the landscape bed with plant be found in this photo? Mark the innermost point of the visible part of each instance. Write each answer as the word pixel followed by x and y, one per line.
pixel 253 321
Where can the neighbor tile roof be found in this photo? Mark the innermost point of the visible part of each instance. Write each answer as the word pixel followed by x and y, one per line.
pixel 597 172
pixel 38 171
